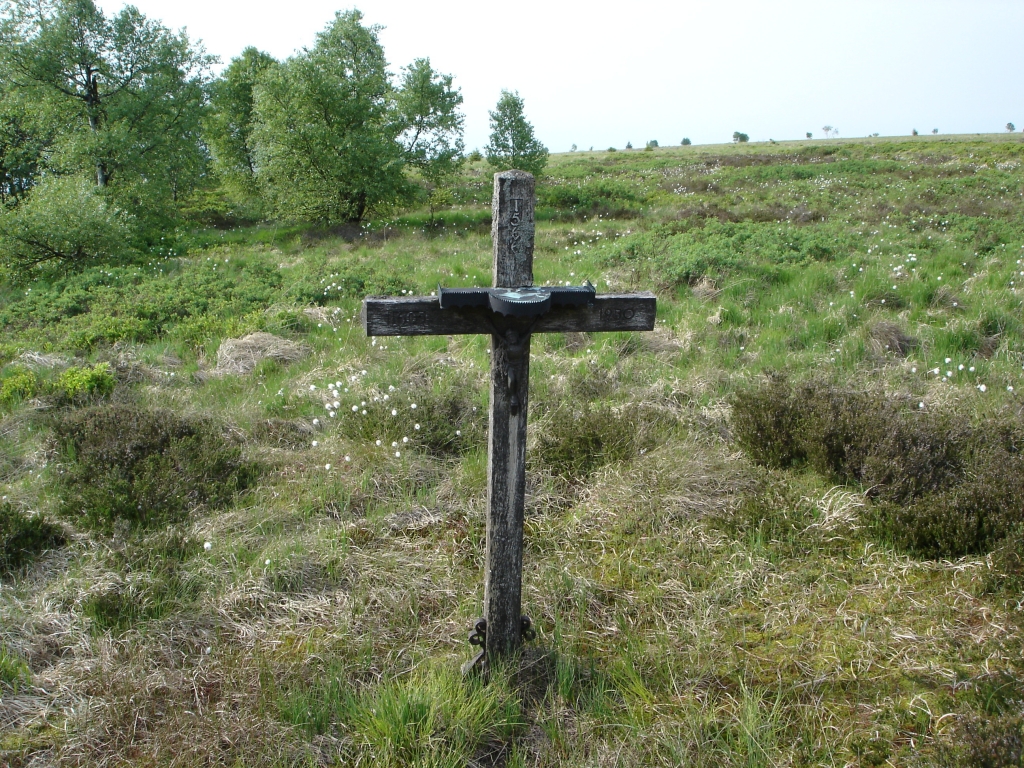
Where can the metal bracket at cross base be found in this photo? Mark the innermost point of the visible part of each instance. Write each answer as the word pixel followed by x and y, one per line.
pixel 478 637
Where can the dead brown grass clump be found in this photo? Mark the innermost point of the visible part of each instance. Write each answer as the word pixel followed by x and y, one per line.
pixel 241 356
pixel 889 337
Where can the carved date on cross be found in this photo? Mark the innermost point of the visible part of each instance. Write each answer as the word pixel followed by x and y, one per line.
pixel 511 312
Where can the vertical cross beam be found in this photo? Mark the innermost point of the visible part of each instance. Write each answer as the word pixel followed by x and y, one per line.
pixel 512 232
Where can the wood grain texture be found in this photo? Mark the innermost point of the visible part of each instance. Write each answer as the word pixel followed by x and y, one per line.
pixel 506 492
pixel 423 316
pixel 512 229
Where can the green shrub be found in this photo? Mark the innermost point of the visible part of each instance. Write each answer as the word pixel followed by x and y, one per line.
pixel 85 382
pixel 766 423
pixel 22 537
pixel 449 424
pixel 65 222
pixel 19 384
pixel 143 467
pixel 943 487
pixel 575 442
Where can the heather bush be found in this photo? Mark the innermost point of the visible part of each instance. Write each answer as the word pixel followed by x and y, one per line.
pixel 24 536
pixel 943 486
pixel 121 462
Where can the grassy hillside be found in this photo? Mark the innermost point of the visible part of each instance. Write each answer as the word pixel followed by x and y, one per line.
pixel 785 528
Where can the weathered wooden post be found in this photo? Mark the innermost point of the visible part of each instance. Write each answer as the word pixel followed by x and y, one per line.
pixel 510 312
pixel 512 233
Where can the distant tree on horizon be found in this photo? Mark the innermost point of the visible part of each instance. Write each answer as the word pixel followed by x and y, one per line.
pixel 809 135
pixel 1011 127
pixel 740 138
pixel 686 142
pixel 914 132
pixel 935 131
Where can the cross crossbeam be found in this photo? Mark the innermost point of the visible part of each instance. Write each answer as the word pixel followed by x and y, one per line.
pixel 511 312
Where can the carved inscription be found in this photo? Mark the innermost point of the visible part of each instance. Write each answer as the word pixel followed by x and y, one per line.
pixel 516 244
pixel 613 315
pixel 408 318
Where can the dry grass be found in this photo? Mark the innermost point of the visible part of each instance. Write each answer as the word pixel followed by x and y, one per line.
pixel 241 356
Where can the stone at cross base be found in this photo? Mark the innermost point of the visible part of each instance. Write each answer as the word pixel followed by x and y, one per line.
pixel 511 318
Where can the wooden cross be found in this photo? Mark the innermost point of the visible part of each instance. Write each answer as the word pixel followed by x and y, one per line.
pixel 510 317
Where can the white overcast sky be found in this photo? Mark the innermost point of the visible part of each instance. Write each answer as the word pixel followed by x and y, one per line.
pixel 601 74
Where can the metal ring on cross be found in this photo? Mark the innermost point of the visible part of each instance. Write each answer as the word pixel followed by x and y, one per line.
pixel 520 302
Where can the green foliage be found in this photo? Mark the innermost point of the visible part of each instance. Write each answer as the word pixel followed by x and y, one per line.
pixel 107 305
pixel 943 487
pixel 24 536
pixel 322 135
pixel 766 423
pixel 686 142
pixel 17 384
pixel 575 441
pixel 427 106
pixel 451 422
pixel 143 467
pixel 14 672
pixel 512 144
pixel 437 717
pixel 124 95
pixel 64 224
pixel 228 125
pixel 87 383
pixel 334 136
pixel 740 138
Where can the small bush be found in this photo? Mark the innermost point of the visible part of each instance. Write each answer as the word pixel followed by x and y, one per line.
pixel 143 467
pixel 686 142
pixel 943 487
pixel 86 383
pixel 765 423
pixel 65 222
pixel 577 442
pixel 18 385
pixel 23 537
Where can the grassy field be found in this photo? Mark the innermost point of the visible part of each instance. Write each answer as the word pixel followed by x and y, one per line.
pixel 285 567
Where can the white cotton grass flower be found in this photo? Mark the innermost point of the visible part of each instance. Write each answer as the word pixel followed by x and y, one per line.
pixel 378 443
pixel 316 443
pixel 971 369
pixel 458 432
pixel 267 561
pixel 914 369
pixel 363 411
pixel 327 467
pixel 394 444
pixel 394 411
pixel 332 414
pixel 921 404
pixel 398 454
pixel 355 409
pixel 348 458
pixel 207 545
pixel 337 404
pixel 405 439
pixel 316 422
pixel 416 426
pixel 982 388
pixel 949 360
pixel 1009 388
pixel 413 406
pixel 312 387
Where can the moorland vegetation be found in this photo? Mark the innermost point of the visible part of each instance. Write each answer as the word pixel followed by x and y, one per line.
pixel 785 528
